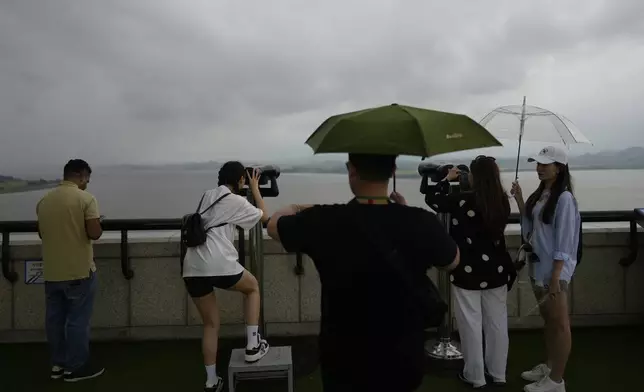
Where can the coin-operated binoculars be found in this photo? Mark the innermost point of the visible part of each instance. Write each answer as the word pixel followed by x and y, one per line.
pixel 267 188
pixel 268 176
pixel 443 348
pixel 435 173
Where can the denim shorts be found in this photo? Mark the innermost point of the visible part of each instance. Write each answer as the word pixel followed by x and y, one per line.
pixel 542 291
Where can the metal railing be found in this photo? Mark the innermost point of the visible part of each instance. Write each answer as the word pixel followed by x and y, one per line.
pixel 124 226
pixel 630 216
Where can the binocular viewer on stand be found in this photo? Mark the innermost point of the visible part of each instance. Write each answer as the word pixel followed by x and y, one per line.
pixel 268 176
pixel 433 172
pixel 442 348
pixel 268 187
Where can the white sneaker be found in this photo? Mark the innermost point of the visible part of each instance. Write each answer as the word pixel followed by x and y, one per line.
pixel 537 373
pixel 546 385
pixel 217 387
pixel 57 372
pixel 257 353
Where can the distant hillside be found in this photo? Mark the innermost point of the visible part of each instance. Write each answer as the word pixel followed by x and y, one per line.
pixel 630 158
pixel 9 184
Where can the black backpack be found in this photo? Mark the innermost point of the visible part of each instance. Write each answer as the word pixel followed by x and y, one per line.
pixel 193 231
pixel 423 293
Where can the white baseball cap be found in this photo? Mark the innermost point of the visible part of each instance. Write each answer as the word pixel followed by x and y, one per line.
pixel 551 154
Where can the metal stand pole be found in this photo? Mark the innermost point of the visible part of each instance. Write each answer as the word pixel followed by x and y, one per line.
pixel 443 348
pixel 256 251
pixel 257 234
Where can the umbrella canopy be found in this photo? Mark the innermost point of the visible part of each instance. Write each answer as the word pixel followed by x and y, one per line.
pixel 541 125
pixel 399 130
pixel 509 122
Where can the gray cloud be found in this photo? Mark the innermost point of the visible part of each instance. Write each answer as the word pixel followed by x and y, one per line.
pixel 156 81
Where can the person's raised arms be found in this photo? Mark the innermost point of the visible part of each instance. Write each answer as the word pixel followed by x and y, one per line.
pixel 291 225
pixel 438 196
pixel 257 195
pixel 439 245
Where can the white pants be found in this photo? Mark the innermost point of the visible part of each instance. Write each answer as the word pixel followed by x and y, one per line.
pixel 478 312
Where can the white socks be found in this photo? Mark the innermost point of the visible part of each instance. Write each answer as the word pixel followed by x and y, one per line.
pixel 252 337
pixel 211 372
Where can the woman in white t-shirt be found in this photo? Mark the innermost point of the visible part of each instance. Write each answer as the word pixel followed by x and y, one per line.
pixel 215 264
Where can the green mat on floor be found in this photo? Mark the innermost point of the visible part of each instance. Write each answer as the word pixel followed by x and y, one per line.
pixel 605 359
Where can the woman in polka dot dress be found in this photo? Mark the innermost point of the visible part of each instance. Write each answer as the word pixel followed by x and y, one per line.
pixel 481 282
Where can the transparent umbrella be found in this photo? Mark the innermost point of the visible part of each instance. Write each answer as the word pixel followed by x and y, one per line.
pixel 509 122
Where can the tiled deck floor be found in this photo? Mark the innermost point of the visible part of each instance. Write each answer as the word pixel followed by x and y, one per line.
pixel 604 359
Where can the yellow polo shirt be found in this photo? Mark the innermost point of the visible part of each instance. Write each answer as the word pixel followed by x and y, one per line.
pixel 67 252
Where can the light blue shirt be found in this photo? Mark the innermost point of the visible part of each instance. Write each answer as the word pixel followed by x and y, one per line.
pixel 556 241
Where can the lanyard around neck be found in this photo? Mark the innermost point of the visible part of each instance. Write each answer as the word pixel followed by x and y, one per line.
pixel 373 200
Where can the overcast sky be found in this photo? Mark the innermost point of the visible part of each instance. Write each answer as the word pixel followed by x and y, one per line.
pixel 145 81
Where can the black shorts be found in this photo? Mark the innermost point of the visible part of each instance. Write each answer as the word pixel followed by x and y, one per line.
pixel 200 286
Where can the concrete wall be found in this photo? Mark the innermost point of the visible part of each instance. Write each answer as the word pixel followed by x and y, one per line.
pixel 154 303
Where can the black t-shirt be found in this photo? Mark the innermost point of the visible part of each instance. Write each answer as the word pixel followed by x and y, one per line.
pixel 369 323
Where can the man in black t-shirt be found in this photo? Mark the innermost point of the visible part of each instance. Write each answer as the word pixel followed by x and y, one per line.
pixel 371 335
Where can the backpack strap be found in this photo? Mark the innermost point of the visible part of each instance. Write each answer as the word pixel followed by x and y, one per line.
pixel 200 201
pixel 212 205
pixel 218 225
pixel 428 299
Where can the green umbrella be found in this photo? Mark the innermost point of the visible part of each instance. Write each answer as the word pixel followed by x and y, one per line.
pixel 399 130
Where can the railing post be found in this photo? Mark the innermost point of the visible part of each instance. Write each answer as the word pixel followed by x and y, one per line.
pixel 126 267
pixel 443 348
pixel 8 274
pixel 182 252
pixel 299 265
pixel 241 244
pixel 633 245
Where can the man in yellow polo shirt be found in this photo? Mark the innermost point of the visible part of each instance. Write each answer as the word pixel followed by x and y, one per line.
pixel 68 221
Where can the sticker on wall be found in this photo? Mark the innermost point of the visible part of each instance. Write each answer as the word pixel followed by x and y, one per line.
pixel 34 273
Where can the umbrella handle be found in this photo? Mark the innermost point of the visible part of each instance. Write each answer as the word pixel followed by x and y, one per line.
pixel 394 182
pixel 521 128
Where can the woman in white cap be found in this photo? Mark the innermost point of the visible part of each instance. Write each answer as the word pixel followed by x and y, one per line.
pixel 551 224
